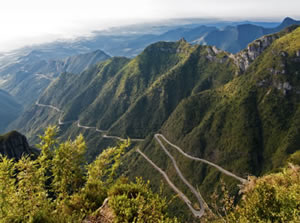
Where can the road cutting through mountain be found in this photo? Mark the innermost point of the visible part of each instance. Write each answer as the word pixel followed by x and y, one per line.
pixel 196 213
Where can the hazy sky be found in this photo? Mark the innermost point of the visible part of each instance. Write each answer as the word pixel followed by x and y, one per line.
pixel 29 21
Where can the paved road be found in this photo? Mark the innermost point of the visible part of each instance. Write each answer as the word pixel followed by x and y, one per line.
pixel 196 213
pixel 44 76
pixel 100 130
pixel 48 106
pixel 226 172
pixel 84 127
pixel 113 137
pixel 121 139
pixel 60 122
pixel 192 189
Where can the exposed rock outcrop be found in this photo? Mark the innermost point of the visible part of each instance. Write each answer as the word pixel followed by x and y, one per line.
pixel 244 58
pixel 247 56
pixel 285 87
pixel 212 54
pixel 14 145
pixel 103 215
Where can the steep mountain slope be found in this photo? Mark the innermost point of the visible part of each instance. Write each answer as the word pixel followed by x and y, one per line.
pixel 26 72
pixel 28 78
pixel 239 111
pixel 9 109
pixel 112 94
pixel 15 145
pixel 248 126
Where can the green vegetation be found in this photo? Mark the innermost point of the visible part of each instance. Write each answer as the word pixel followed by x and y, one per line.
pixel 30 76
pixel 248 123
pixel 271 198
pixel 249 126
pixel 114 93
pixel 135 202
pixel 59 186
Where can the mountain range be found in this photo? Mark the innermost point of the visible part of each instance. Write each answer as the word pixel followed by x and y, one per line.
pixel 240 110
pixel 236 104
pixel 235 38
pixel 231 37
pixel 25 73
pixel 194 94
pixel 250 125
pixel 28 78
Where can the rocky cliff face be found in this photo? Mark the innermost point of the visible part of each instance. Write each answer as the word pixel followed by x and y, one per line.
pixel 247 56
pixel 244 58
pixel 14 145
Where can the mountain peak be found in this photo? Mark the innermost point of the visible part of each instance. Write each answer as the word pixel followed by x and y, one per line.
pixel 182 40
pixel 288 21
pixel 245 57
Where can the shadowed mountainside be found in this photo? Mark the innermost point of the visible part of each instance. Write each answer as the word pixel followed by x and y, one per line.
pixel 9 109
pixel 29 77
pixel 15 145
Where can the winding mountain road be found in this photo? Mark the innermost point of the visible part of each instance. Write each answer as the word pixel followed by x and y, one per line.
pixel 60 122
pixel 192 189
pixel 196 213
pixel 44 76
pixel 84 127
pixel 226 172
pixel 48 106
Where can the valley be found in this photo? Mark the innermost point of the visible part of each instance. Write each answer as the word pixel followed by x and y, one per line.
pixel 201 110
pixel 196 213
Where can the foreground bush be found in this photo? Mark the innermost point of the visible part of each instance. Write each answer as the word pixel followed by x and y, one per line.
pixel 272 198
pixel 60 187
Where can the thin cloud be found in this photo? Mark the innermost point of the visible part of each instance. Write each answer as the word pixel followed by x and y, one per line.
pixel 30 21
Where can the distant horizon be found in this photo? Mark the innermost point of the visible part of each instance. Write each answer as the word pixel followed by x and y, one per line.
pixel 52 38
pixel 35 22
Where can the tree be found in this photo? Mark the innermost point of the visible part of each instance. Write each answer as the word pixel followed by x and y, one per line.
pixel 272 198
pixel 68 167
pixel 7 187
pixel 58 186
pixel 31 200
